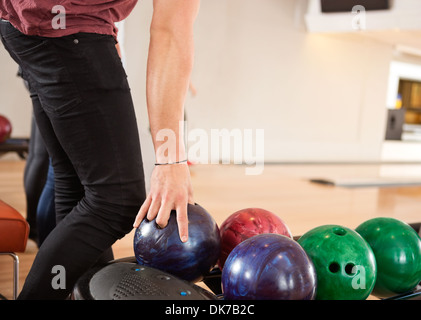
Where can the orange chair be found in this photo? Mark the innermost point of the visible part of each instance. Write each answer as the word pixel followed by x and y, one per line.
pixel 14 231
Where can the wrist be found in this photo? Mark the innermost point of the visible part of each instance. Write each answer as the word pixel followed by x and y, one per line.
pixel 170 163
pixel 170 153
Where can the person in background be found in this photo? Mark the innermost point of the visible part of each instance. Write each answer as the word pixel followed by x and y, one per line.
pixel 34 177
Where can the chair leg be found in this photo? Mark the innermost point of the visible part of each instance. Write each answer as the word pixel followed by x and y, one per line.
pixel 15 272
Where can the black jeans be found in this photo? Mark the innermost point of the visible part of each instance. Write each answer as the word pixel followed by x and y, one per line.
pixel 84 111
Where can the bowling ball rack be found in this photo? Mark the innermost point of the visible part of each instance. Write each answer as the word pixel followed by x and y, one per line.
pixel 124 279
pixel 411 295
pixel 120 280
pixel 18 145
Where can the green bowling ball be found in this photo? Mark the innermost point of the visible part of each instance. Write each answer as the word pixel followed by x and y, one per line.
pixel 344 262
pixel 397 248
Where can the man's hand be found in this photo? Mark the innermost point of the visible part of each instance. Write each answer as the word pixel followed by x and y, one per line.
pixel 170 190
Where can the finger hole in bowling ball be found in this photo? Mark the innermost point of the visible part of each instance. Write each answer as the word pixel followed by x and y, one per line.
pixel 339 231
pixel 334 267
pixel 349 269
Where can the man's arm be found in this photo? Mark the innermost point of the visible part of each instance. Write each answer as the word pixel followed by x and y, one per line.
pixel 170 63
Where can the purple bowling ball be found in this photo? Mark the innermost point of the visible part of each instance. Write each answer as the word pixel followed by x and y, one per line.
pixel 161 248
pixel 268 267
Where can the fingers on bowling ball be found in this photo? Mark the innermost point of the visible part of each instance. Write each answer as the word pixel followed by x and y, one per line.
pixel 268 267
pixel 344 262
pixel 246 223
pixel 397 248
pixel 5 128
pixel 162 248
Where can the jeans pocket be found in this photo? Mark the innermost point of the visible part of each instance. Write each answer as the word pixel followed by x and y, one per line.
pixel 8 31
pixel 28 47
pixel 104 66
pixel 20 43
pixel 47 73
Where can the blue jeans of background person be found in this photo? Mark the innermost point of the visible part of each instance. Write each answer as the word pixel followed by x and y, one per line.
pixel 86 117
pixel 46 210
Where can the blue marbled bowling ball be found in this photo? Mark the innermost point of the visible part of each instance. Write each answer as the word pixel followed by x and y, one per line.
pixel 161 248
pixel 268 267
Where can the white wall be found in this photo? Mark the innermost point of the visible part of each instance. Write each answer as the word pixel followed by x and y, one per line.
pixel 318 97
pixel 15 103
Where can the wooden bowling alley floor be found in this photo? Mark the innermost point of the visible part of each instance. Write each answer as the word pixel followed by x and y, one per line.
pixel 284 189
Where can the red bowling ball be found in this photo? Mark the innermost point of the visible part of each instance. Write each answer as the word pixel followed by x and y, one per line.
pixel 245 224
pixel 5 129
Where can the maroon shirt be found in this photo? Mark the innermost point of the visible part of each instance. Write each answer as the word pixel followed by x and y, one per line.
pixel 37 17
